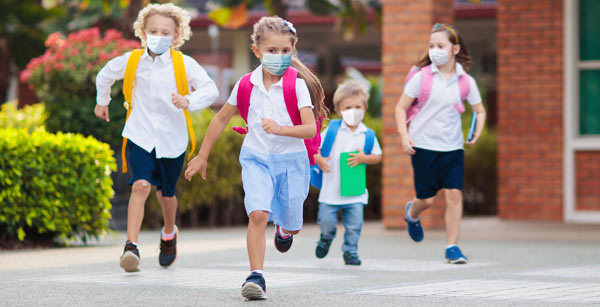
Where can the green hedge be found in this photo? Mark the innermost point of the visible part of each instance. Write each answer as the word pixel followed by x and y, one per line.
pixel 29 117
pixel 56 184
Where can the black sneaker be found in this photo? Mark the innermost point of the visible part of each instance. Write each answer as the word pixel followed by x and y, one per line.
pixel 168 251
pixel 351 258
pixel 282 245
pixel 322 247
pixel 130 260
pixel 254 288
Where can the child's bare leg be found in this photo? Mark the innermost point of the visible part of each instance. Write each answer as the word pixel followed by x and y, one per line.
pixel 255 239
pixel 295 232
pixel 169 209
pixel 420 205
pixel 454 210
pixel 135 211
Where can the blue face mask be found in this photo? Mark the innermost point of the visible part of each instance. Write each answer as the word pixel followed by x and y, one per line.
pixel 158 44
pixel 276 64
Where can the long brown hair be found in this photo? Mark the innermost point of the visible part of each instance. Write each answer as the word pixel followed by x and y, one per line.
pixel 454 37
pixel 277 25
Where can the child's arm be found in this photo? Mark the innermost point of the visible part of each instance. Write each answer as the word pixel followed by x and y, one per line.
pixel 113 70
pixel 401 107
pixel 360 158
pixel 205 90
pixel 323 162
pixel 481 116
pixel 217 124
pixel 307 130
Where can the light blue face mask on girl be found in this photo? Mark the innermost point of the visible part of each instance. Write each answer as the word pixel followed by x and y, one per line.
pixel 158 44
pixel 276 64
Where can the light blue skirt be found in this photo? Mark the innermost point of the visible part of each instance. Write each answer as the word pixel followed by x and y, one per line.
pixel 276 183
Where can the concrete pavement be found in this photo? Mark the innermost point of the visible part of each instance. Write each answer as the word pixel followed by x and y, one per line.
pixel 510 263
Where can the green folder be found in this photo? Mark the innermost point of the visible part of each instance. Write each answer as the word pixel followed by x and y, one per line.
pixel 353 179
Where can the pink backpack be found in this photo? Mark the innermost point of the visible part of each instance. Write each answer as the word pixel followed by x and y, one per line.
pixel 464 86
pixel 291 103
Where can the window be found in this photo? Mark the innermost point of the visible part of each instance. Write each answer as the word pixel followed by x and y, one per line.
pixel 589 67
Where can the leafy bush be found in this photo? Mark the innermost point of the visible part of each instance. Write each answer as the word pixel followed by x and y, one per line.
pixel 57 184
pixel 29 117
pixel 64 77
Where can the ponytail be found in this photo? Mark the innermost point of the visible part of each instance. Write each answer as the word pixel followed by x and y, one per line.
pixel 317 95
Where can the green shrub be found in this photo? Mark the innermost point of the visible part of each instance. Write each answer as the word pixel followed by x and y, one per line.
pixel 29 117
pixel 64 77
pixel 56 184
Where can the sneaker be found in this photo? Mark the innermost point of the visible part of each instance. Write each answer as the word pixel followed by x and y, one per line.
pixel 254 288
pixel 351 258
pixel 130 260
pixel 455 256
pixel 168 251
pixel 415 230
pixel 322 247
pixel 282 245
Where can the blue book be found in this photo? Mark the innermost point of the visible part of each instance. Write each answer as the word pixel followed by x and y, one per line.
pixel 472 129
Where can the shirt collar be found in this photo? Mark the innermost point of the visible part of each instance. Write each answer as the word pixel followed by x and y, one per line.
pixel 163 58
pixel 458 69
pixel 256 78
pixel 360 129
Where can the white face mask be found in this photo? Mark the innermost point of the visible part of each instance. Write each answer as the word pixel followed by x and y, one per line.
pixel 158 44
pixel 353 117
pixel 438 56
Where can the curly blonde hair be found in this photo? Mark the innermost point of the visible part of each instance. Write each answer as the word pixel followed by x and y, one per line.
pixel 179 15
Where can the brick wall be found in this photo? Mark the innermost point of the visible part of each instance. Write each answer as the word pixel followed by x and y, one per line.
pixel 530 102
pixel 405 35
pixel 587 180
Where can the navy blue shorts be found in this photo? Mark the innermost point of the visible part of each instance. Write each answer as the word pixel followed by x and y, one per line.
pixel 162 173
pixel 436 170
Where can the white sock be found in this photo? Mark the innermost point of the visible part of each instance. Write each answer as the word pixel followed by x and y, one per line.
pixel 258 271
pixel 410 218
pixel 451 245
pixel 168 235
pixel 281 233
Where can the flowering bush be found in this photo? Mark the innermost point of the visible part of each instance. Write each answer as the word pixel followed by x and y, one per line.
pixel 64 77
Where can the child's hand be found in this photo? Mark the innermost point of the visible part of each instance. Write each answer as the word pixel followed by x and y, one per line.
pixel 102 112
pixel 407 145
pixel 195 165
pixel 473 140
pixel 356 158
pixel 179 101
pixel 322 162
pixel 270 126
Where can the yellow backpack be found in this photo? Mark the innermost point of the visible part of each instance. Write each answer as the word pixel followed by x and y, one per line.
pixel 182 89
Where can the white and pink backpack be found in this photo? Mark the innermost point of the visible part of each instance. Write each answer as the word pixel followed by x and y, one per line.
pixel 464 86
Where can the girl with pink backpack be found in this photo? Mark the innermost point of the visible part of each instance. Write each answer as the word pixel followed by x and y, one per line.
pixel 429 123
pixel 282 104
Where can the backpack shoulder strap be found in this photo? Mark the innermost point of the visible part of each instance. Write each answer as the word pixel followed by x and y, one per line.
pixel 369 141
pixel 243 96
pixel 332 130
pixel 464 86
pixel 413 71
pixel 130 69
pixel 289 95
pixel 183 90
pixel 426 85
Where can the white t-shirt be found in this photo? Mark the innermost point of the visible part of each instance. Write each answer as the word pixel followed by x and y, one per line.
pixel 346 140
pixel 438 125
pixel 270 104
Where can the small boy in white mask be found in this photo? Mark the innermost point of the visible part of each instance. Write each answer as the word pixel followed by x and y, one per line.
pixel 350 102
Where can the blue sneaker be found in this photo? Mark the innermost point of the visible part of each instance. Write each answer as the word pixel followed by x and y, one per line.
pixel 281 244
pixel 254 288
pixel 455 256
pixel 415 230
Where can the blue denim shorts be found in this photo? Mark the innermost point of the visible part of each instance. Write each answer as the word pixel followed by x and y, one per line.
pixel 162 173
pixel 276 183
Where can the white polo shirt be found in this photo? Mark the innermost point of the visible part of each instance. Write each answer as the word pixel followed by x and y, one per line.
pixel 438 125
pixel 270 104
pixel 154 121
pixel 346 140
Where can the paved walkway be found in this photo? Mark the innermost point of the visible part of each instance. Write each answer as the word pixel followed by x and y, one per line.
pixel 524 263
